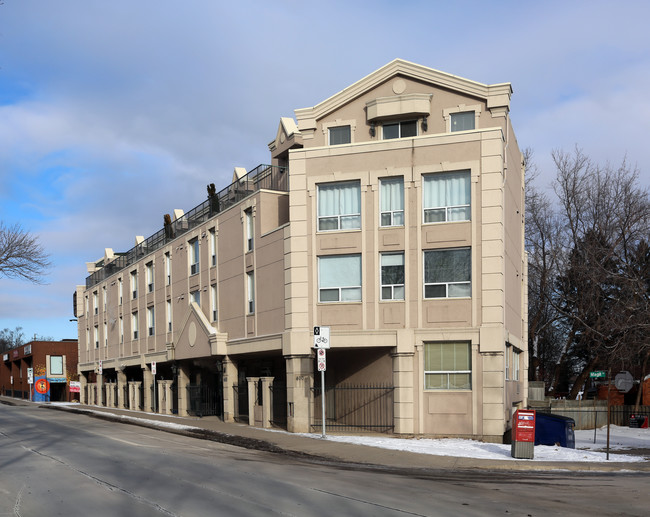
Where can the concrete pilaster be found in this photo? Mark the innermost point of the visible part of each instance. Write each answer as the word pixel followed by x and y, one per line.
pixel 403 403
pixel 300 379
pixel 183 382
pixel 147 377
pixel 83 395
pixel 121 383
pixel 252 401
pixel 100 395
pixel 267 401
pixel 229 378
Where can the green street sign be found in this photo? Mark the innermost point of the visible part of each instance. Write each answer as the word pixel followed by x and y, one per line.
pixel 598 374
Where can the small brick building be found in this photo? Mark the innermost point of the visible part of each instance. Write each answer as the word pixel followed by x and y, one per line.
pixel 54 365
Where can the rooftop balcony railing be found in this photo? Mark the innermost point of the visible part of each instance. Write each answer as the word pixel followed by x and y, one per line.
pixel 268 177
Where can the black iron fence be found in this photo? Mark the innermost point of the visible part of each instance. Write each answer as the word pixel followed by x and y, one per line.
pixel 204 400
pixel 588 417
pixel 355 408
pixel 240 392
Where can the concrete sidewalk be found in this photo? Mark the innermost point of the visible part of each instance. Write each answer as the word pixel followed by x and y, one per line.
pixel 212 428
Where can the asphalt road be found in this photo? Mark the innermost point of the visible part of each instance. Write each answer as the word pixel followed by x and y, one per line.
pixel 58 463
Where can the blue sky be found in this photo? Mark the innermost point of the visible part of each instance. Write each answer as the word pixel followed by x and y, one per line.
pixel 115 113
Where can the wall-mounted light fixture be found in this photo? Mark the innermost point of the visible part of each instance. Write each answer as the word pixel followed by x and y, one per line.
pixel 425 124
pixel 373 130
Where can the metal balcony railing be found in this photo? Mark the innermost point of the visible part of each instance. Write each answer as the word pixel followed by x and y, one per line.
pixel 269 177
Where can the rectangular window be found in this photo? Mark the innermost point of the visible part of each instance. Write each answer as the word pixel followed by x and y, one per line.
pixel 391 203
pixel 56 365
pixel 194 256
pixel 149 271
pixel 104 298
pixel 515 364
pixel 446 197
pixel 87 339
pixel 340 135
pixel 169 315
pixel 339 206
pixel 86 306
pixel 134 324
pixel 251 292
pixel 151 321
pixel 168 267
pixel 134 284
pixel 214 300
pixel 392 276
pixel 96 336
pixel 250 229
pixel 339 278
pixel 195 296
pixel 105 335
pixel 403 129
pixel 447 366
pixel 120 289
pixel 95 303
pixel 463 121
pixel 121 330
pixel 508 354
pixel 213 247
pixel 447 273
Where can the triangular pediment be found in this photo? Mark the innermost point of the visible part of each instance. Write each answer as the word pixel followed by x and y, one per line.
pixel 287 132
pixel 496 95
pixel 197 337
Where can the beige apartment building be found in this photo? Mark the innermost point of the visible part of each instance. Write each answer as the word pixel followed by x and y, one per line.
pixel 393 213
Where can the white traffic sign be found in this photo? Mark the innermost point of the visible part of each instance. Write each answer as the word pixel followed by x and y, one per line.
pixel 30 375
pixel 153 367
pixel 321 337
pixel 322 366
pixel 101 368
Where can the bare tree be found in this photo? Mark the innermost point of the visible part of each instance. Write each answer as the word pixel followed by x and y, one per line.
pixel 11 338
pixel 21 255
pixel 605 218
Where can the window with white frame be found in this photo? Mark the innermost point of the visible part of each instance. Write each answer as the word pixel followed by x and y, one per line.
pixel 95 302
pixel 392 276
pixel 134 324
pixel 447 366
pixel 402 129
pixel 339 278
pixel 169 315
pixel 250 228
pixel 391 202
pixel 121 330
pixel 446 196
pixel 447 273
pixel 105 335
pixel 149 274
pixel 507 360
pixel 340 135
pixel 462 121
pixel 120 289
pixel 195 296
pixel 213 247
pixel 151 321
pixel 516 365
pixel 339 206
pixel 194 256
pixel 213 301
pixel 96 336
pixel 250 280
pixel 168 267
pixel 56 365
pixel 134 284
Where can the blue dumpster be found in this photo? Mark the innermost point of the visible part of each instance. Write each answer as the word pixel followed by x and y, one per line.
pixel 555 430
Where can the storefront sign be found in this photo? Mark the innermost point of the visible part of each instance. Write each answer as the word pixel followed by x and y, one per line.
pixel 56 379
pixel 75 387
pixel 5 357
pixel 27 349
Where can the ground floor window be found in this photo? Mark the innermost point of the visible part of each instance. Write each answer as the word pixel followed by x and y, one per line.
pixel 447 365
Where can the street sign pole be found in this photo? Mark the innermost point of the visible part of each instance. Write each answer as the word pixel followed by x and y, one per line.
pixel 321 344
pixel 322 400
pixel 609 386
pixel 153 371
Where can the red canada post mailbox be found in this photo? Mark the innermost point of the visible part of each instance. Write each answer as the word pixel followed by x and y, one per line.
pixel 523 434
